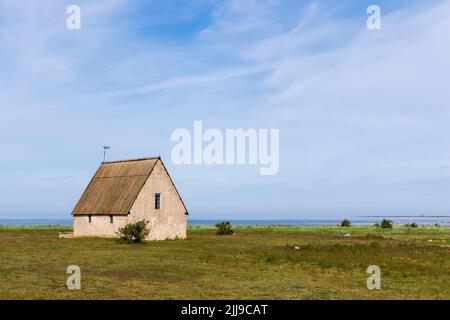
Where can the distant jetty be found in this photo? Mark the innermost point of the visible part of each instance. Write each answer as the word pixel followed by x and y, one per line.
pixel 421 216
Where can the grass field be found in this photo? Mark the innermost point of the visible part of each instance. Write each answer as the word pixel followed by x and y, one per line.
pixel 256 263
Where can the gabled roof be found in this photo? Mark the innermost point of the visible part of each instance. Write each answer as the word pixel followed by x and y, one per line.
pixel 115 187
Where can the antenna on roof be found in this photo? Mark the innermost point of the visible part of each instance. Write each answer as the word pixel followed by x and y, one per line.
pixel 104 152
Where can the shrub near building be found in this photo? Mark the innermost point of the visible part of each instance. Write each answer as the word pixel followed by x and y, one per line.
pixel 134 232
pixel 224 228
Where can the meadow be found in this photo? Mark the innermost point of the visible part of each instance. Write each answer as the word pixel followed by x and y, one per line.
pixel 258 262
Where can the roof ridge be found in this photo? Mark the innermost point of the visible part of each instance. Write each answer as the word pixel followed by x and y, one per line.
pixel 130 160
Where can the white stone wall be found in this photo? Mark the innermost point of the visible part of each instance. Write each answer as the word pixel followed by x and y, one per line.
pixel 99 227
pixel 170 221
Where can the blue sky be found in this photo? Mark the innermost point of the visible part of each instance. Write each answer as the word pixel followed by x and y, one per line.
pixel 363 115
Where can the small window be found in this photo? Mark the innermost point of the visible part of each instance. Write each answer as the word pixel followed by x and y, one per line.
pixel 90 218
pixel 157 200
pixel 111 219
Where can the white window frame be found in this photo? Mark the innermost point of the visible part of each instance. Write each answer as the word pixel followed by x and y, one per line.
pixel 157 196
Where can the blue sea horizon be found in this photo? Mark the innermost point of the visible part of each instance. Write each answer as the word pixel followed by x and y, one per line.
pixel 444 221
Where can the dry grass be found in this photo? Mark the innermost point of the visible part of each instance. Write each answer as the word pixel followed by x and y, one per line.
pixel 257 263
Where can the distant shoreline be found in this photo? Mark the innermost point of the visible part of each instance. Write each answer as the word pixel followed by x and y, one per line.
pixel 367 220
pixel 403 216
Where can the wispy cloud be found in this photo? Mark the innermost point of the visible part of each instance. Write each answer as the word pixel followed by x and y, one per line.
pixel 186 81
pixel 363 115
pixel 58 178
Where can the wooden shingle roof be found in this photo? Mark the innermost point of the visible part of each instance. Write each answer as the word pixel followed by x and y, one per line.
pixel 115 187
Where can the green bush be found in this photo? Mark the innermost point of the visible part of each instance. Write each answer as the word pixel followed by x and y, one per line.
pixel 411 225
pixel 346 223
pixel 386 224
pixel 224 228
pixel 134 232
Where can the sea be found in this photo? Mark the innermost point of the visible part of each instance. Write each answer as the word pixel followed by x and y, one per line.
pixel 420 220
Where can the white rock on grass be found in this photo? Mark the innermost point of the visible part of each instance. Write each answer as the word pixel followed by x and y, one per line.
pixel 347 235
